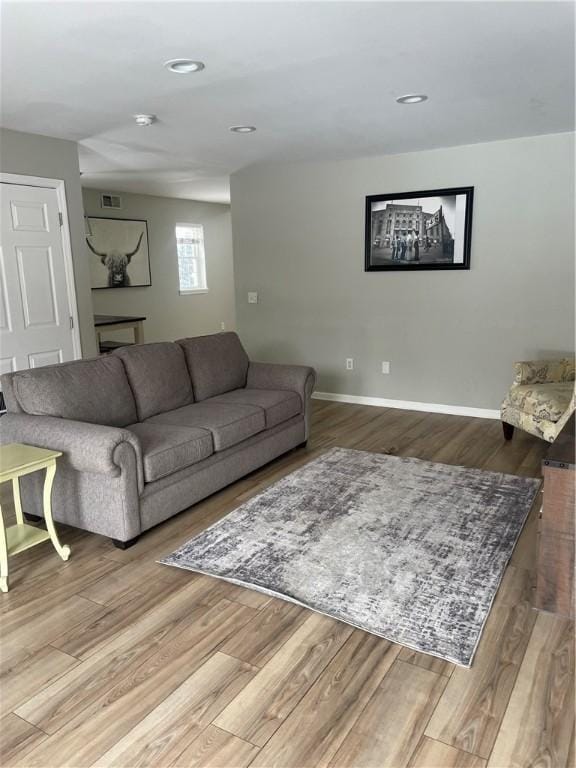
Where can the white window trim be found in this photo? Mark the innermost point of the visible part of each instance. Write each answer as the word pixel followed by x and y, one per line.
pixel 192 291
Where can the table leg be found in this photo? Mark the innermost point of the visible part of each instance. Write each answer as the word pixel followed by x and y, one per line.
pixel 3 556
pixel 63 551
pixel 139 332
pixel 17 501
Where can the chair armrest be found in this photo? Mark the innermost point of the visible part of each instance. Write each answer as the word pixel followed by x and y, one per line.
pixel 87 447
pixel 294 378
pixel 544 371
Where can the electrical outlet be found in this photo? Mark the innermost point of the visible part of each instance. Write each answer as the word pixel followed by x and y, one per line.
pixel 385 366
pixel 252 297
pixel 222 326
pixel 349 363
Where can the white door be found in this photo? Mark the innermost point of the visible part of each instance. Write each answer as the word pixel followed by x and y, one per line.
pixel 36 326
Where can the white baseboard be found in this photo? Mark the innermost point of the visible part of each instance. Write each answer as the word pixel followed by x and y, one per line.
pixel 409 405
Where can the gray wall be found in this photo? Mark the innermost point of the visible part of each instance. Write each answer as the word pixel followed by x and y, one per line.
pixel 169 315
pixel 33 155
pixel 451 337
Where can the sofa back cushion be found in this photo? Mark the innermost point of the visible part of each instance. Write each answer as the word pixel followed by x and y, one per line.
pixel 217 364
pixel 10 400
pixel 158 377
pixel 94 391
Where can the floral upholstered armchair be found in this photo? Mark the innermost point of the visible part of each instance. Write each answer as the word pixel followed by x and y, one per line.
pixel 541 399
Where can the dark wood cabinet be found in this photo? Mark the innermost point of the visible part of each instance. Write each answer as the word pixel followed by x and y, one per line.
pixel 555 545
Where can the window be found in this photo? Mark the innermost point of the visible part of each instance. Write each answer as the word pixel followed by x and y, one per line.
pixel 191 258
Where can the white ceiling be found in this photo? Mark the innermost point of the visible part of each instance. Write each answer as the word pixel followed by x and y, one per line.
pixel 318 79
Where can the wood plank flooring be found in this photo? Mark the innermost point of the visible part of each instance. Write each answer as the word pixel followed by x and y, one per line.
pixel 113 660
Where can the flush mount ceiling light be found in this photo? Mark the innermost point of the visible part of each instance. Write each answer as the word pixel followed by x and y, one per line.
pixel 412 98
pixel 184 66
pixel 242 128
pixel 145 120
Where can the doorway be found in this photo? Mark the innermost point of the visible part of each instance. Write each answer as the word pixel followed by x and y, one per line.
pixel 38 313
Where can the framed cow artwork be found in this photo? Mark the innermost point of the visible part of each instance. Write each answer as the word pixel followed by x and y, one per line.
pixel 118 252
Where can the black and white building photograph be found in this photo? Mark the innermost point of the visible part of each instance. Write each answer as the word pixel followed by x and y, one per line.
pixel 419 230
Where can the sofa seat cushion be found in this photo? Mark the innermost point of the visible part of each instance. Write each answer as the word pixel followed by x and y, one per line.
pixel 217 363
pixel 228 423
pixel 544 401
pixel 93 391
pixel 167 448
pixel 278 405
pixel 158 376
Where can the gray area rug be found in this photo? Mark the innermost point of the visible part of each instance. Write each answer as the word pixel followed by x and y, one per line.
pixel 409 550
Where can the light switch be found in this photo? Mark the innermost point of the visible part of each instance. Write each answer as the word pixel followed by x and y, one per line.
pixel 252 297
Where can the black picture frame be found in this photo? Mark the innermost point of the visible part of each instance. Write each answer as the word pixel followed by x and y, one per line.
pixel 141 277
pixel 382 250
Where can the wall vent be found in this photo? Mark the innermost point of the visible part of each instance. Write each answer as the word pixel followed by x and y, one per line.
pixel 110 201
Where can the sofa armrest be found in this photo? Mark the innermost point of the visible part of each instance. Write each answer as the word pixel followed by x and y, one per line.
pixel 294 378
pixel 87 447
pixel 544 371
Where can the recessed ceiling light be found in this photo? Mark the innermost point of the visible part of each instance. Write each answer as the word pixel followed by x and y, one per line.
pixel 412 98
pixel 184 66
pixel 145 120
pixel 242 128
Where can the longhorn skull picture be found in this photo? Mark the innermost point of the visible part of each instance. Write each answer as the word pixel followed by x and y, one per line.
pixel 121 248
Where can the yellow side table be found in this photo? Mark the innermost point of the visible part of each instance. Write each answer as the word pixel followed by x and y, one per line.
pixel 17 460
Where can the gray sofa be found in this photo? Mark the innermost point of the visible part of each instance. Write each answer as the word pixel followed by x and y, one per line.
pixel 151 429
